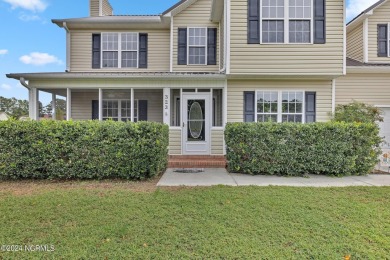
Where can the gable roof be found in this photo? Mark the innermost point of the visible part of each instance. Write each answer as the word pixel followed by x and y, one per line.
pixel 355 21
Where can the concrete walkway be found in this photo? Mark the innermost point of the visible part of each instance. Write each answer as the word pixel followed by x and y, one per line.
pixel 211 177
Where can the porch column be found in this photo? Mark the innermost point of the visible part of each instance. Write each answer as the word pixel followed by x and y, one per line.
pixel 100 104
pixel 53 106
pixel 33 105
pixel 68 104
pixel 167 105
pixel 132 104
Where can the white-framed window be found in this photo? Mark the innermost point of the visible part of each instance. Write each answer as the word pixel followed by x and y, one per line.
pixel 280 106
pixel 388 40
pixel 197 45
pixel 119 110
pixel 286 21
pixel 120 50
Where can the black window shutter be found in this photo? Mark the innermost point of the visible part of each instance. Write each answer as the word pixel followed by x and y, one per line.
pixel 182 47
pixel 95 109
pixel 382 40
pixel 142 110
pixel 310 112
pixel 319 21
pixel 249 106
pixel 96 39
pixel 212 46
pixel 143 50
pixel 253 21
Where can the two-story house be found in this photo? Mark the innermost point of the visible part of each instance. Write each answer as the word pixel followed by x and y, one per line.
pixel 201 64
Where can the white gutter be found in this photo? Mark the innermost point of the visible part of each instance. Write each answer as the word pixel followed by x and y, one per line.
pixel 171 48
pixel 67 46
pixel 227 36
pixel 333 96
pixel 24 83
pixel 365 40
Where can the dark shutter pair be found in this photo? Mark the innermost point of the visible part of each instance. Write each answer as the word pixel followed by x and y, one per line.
pixel 249 107
pixel 382 40
pixel 142 110
pixel 254 11
pixel 142 52
pixel 211 46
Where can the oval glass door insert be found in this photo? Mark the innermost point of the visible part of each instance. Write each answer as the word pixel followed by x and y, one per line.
pixel 195 119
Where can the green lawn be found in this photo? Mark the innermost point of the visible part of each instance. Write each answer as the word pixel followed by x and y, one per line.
pixel 218 222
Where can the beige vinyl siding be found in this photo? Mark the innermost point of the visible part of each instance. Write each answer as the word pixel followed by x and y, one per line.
pixel 196 15
pixel 355 44
pixel 369 88
pixel 236 90
pixel 94 7
pixel 381 16
pixel 158 51
pixel 81 103
pixel 175 141
pixel 217 141
pixel 107 9
pixel 287 59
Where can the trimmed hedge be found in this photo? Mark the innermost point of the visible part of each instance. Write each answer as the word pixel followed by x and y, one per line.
pixel 291 149
pixel 82 150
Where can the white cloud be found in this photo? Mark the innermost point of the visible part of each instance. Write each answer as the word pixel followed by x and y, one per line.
pixel 3 52
pixel 5 86
pixel 28 18
pixel 39 59
pixel 32 5
pixel 355 7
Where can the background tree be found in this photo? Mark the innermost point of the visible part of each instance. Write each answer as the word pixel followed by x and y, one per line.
pixel 16 107
pixel 60 109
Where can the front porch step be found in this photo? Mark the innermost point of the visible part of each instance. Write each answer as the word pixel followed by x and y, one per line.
pixel 197 161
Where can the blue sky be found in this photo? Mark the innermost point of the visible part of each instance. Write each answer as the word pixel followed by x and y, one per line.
pixel 29 42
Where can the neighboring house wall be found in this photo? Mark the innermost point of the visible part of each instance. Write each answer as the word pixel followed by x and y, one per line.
pixel 196 15
pixel 287 59
pixel 355 44
pixel 236 88
pixel 369 88
pixel 158 51
pixel 381 16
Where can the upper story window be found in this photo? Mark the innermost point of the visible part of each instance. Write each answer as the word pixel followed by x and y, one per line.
pixel 119 50
pixel 383 40
pixel 197 44
pixel 286 21
pixel 121 47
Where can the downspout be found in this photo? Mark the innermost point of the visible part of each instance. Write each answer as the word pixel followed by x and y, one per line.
pixel 67 47
pixel 24 83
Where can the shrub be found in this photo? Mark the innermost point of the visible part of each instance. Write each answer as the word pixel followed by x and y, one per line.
pixel 296 149
pixel 357 112
pixel 82 150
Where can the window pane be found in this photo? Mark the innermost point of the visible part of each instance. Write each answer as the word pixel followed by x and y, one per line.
pixel 273 31
pixel 272 9
pixel 129 59
pixel 110 59
pixel 110 41
pixel 299 32
pixel 197 55
pixel 292 106
pixel 129 41
pixel 197 36
pixel 267 106
pixel 300 9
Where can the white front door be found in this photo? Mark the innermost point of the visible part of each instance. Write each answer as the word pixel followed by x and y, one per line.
pixel 196 124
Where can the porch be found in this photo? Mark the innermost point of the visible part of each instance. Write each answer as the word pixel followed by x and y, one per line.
pixel 195 110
